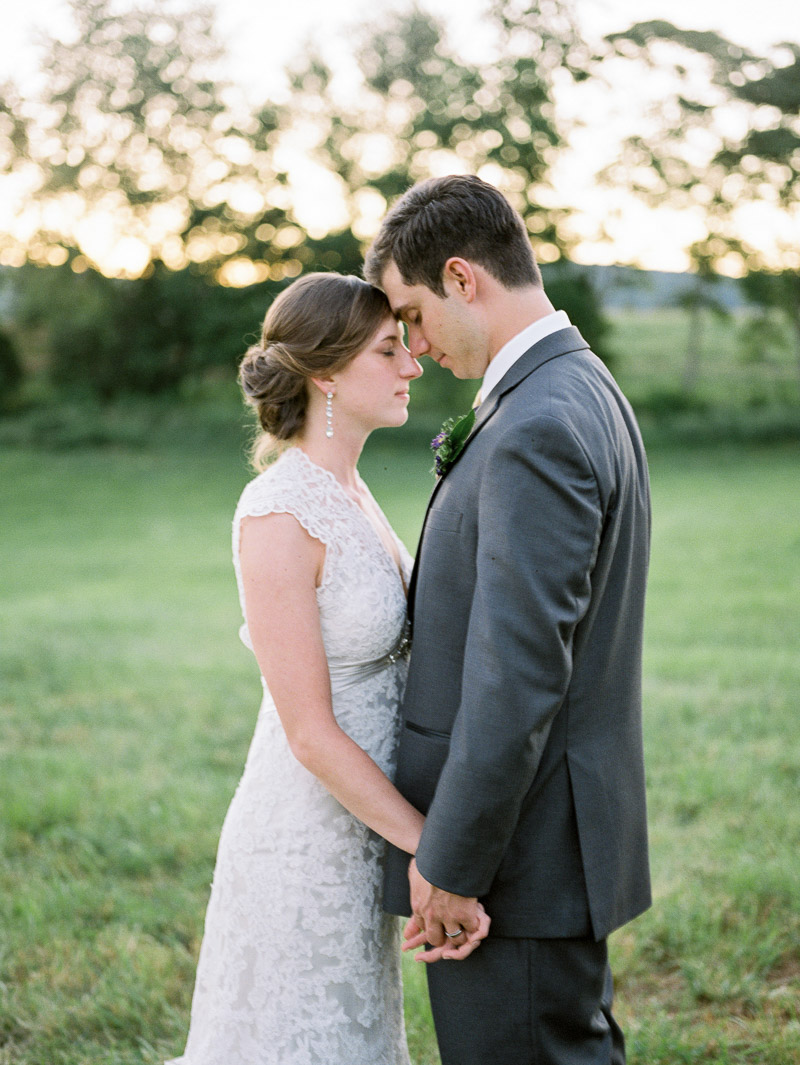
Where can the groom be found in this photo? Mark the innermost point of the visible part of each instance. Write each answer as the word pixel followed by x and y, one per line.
pixel 522 714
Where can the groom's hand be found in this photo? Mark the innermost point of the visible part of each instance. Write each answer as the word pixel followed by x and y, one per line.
pixel 437 912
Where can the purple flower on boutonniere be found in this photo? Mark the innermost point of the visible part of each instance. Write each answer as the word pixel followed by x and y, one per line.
pixel 447 444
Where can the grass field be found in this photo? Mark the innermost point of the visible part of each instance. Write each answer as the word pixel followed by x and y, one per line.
pixel 731 360
pixel 127 704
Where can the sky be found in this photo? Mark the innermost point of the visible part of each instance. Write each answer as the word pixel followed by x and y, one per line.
pixel 261 37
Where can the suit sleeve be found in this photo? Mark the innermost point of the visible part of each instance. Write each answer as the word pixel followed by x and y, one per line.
pixel 539 526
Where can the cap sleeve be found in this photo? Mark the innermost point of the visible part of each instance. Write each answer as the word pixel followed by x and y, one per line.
pixel 289 486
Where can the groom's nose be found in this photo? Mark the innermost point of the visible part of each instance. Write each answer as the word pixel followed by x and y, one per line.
pixel 417 344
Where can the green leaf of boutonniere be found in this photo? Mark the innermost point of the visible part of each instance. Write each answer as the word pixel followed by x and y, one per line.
pixel 447 444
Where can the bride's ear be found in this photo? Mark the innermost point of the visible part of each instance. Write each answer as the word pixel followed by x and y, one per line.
pixel 324 384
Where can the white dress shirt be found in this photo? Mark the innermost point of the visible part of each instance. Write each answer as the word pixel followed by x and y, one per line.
pixel 517 346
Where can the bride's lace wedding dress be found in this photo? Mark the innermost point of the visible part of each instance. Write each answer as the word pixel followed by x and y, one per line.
pixel 299 965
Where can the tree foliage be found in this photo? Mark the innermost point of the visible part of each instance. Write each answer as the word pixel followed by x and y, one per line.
pixel 134 151
pixel 138 161
pixel 745 111
pixel 727 142
pixel 109 337
pixel 426 111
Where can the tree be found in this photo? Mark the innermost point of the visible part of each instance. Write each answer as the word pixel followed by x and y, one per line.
pixel 135 152
pixel 425 111
pixel 698 301
pixel 727 140
pixel 10 371
pixel 145 165
pixel 139 163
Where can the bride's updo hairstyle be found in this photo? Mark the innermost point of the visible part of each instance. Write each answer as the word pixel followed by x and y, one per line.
pixel 312 329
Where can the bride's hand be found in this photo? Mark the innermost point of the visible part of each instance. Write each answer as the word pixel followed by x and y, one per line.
pixel 414 936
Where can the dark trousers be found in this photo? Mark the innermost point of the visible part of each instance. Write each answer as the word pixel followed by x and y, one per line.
pixel 526 1002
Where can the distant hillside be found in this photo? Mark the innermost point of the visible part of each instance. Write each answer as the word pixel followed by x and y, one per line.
pixel 626 288
pixel 621 287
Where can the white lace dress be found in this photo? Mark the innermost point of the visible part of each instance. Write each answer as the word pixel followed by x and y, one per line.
pixel 299 965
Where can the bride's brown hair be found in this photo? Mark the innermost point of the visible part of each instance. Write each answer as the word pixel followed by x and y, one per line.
pixel 312 329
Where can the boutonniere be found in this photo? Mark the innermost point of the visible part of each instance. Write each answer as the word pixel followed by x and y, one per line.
pixel 448 443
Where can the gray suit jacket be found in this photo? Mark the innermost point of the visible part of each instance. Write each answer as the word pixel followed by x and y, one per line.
pixel 521 737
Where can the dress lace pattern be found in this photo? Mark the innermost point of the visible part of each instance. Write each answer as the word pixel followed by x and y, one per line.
pixel 299 965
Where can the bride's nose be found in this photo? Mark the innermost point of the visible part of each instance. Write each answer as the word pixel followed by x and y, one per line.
pixel 411 367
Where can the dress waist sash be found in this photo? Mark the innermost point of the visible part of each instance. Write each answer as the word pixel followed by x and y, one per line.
pixel 345 674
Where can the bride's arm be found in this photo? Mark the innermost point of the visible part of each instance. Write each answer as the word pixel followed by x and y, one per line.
pixel 281 567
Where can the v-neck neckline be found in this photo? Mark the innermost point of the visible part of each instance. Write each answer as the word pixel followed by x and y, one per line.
pixel 396 563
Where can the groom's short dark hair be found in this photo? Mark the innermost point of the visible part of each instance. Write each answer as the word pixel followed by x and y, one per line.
pixel 457 215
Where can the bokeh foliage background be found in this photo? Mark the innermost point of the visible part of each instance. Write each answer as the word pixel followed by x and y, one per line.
pixel 157 204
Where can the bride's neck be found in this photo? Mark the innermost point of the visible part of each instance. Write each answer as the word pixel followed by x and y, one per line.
pixel 338 454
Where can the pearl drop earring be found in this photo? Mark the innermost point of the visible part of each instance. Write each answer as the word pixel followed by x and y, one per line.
pixel 329 414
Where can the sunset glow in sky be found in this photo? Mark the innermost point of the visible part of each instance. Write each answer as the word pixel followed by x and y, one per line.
pixel 261 38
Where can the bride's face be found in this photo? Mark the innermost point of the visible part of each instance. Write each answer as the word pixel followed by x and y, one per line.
pixel 373 389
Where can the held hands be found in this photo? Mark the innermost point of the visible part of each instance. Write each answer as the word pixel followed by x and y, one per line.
pixel 437 912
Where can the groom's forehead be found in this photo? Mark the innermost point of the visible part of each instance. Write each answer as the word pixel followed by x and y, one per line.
pixel 399 294
pixel 392 279
pixel 402 297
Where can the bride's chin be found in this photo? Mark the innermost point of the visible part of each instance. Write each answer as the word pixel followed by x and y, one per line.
pixel 394 421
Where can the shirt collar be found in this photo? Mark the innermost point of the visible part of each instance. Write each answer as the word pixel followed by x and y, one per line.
pixel 518 345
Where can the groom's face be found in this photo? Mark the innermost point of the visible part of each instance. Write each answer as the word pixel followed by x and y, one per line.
pixel 443 328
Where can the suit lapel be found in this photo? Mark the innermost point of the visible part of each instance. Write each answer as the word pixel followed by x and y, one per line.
pixel 562 342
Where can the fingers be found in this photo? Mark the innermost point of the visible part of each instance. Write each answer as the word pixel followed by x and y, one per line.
pixel 469 921
pixel 414 925
pixel 484 923
pixel 448 953
pixel 431 929
pixel 414 933
pixel 453 952
pixel 412 943
pixel 439 930
pixel 434 933
pixel 429 956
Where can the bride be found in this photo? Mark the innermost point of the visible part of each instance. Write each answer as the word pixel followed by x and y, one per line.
pixel 299 965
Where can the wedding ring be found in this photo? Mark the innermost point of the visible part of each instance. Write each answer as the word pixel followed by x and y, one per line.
pixel 453 935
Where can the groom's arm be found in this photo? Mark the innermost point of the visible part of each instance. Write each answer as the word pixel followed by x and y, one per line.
pixel 539 527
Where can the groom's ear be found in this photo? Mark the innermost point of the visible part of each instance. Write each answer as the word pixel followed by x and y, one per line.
pixel 459 275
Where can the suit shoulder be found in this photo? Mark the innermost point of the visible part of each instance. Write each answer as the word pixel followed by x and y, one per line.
pixel 537 414
pixel 541 443
pixel 577 390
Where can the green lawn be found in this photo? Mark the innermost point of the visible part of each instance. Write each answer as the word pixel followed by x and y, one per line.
pixel 127 704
